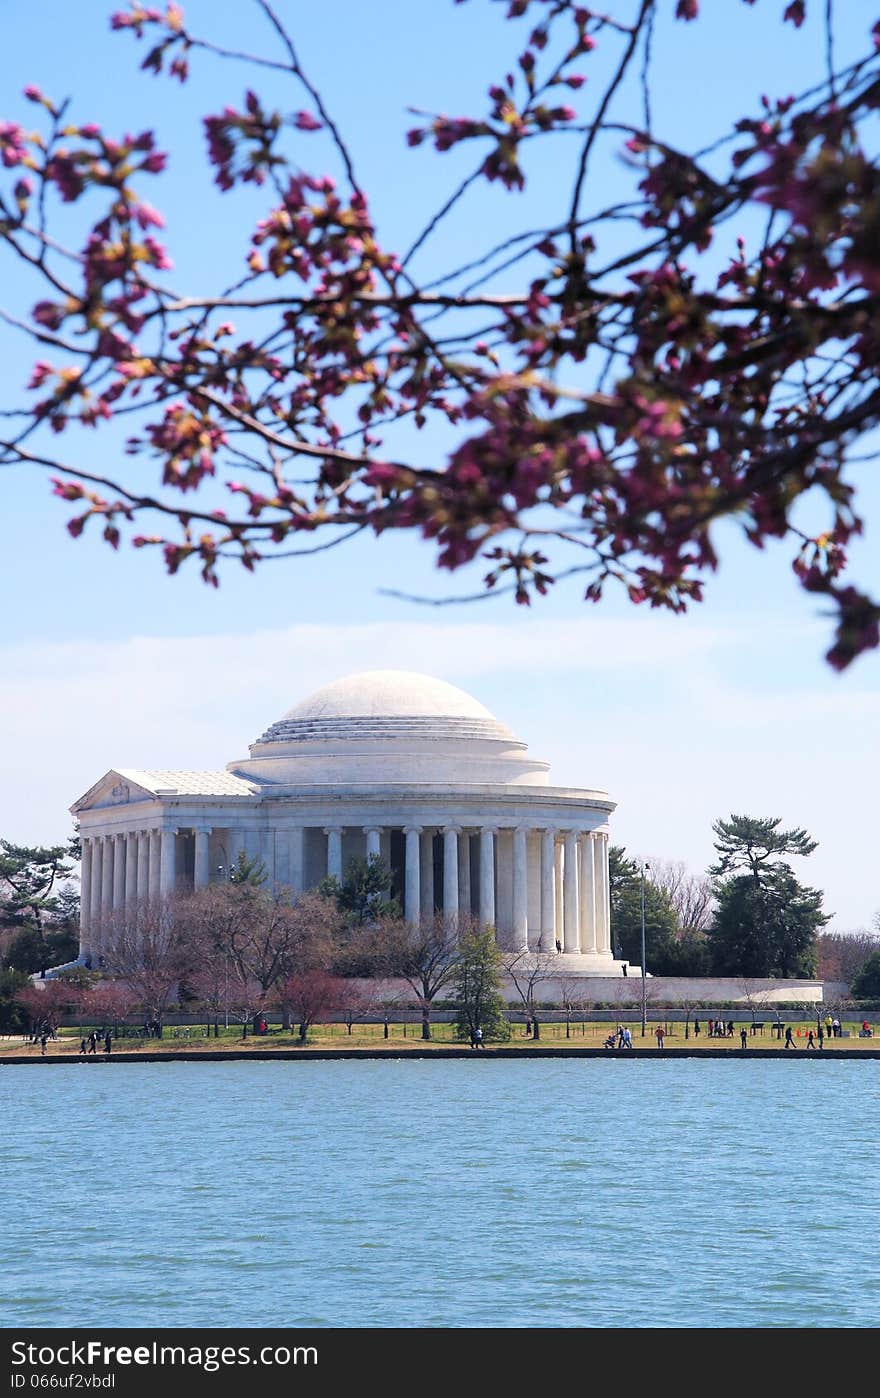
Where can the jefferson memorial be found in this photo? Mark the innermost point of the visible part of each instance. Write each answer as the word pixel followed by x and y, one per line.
pixel 384 763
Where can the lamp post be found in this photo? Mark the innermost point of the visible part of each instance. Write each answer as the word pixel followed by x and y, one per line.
pixel 644 979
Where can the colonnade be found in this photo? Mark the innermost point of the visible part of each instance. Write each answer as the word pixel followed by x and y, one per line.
pixel 543 888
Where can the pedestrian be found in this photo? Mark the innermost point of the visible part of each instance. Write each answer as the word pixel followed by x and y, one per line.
pixel 829 1024
pixel 478 1036
pixel 789 1041
pixel 730 1029
pixel 710 1029
pixel 835 1027
pixel 696 1029
pixel 660 1034
pixel 620 1036
pixel 811 1042
pixel 625 971
pixel 743 1037
pixel 108 1042
pixel 627 1037
pixel 43 1038
pixel 82 1045
pixel 821 1035
pixel 528 1026
pixel 93 1042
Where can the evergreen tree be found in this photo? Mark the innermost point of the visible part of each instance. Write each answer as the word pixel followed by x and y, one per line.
pixel 34 949
pixel 364 895
pixel 28 881
pixel 478 987
pixel 625 878
pixel 247 870
pixel 756 845
pixel 766 928
pixel 866 985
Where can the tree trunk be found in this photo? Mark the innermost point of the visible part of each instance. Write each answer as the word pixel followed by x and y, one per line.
pixel 385 1029
pixel 567 1027
pixel 350 1026
pixel 426 1022
pixel 536 1029
pixel 303 1030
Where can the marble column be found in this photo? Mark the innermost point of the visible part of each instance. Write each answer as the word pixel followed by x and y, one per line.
pixel 548 892
pixel 297 857
pixel 143 866
pixel 119 852
pixel 520 937
pixel 374 841
pixel 571 937
pixel 202 862
pixel 450 872
pixel 334 851
pixel 558 883
pixel 603 894
pixel 426 861
pixel 168 863
pixel 487 876
pixel 85 899
pixel 95 915
pixel 587 885
pixel 131 868
pixel 155 866
pixel 412 895
pixel 464 874
pixel 107 876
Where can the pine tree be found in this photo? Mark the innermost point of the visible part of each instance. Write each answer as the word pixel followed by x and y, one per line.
pixel 478 988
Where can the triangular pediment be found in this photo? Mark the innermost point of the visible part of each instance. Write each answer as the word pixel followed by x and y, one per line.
pixel 114 789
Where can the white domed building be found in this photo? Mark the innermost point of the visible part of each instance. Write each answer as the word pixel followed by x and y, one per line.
pixel 388 763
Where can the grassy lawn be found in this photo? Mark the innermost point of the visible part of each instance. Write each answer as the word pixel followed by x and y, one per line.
pixel 336 1036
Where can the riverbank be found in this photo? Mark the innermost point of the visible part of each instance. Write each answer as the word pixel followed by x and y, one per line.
pixel 259 1052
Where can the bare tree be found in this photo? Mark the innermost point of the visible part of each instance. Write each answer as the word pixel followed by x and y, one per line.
pixel 690 894
pixel 426 957
pixel 573 996
pixel 843 954
pixel 308 996
pixel 355 1001
pixel 145 946
pixel 528 970
pixel 688 1003
pixel 756 995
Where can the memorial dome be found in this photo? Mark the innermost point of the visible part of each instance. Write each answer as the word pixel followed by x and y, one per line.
pixel 389 726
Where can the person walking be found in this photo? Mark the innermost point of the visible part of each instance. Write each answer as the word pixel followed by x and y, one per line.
pixel 829 1024
pixel 696 1029
pixel 835 1027
pixel 710 1030
pixel 789 1040
pixel 108 1041
pixel 93 1042
pixel 660 1035
pixel 743 1037
pixel 478 1037
pixel 627 1037
pixel 620 1036
pixel 811 1041
pixel 82 1045
pixel 43 1038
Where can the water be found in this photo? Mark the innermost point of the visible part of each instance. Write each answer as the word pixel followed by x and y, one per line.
pixel 476 1193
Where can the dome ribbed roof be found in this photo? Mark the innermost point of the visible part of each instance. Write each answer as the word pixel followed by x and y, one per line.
pixel 378 703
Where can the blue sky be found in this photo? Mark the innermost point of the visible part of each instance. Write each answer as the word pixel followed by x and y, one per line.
pixel 105 661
